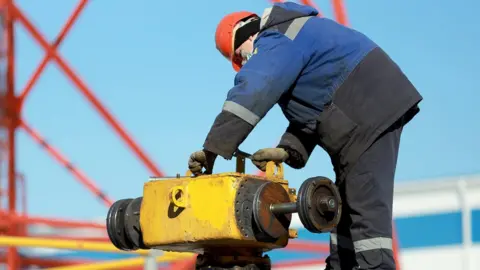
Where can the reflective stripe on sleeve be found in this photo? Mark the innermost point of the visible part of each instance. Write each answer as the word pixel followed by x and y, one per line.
pixel 241 112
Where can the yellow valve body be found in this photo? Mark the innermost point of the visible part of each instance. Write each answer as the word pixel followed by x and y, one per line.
pixel 195 214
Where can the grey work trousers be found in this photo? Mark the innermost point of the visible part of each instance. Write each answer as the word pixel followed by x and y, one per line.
pixel 363 237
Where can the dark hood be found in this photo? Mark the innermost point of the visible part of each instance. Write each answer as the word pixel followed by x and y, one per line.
pixel 283 12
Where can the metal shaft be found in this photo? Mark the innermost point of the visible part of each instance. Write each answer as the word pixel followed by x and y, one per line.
pixel 283 208
pixel 325 204
pixel 241 154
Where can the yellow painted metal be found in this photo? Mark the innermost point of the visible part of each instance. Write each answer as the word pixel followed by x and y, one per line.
pixel 119 264
pixel 66 244
pixel 270 171
pixel 193 213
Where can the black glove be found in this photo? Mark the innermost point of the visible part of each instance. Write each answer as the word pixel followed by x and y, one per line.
pixel 201 159
pixel 263 156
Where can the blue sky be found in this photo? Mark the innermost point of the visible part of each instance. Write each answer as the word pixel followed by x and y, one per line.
pixel 155 67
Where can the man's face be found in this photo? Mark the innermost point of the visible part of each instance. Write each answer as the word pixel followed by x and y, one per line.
pixel 245 50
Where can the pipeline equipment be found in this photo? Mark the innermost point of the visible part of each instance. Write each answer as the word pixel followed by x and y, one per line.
pixel 229 219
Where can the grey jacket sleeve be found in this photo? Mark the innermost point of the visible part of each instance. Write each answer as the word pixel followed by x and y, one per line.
pixel 226 134
pixel 299 146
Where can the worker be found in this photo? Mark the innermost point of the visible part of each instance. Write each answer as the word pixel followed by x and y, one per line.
pixel 339 90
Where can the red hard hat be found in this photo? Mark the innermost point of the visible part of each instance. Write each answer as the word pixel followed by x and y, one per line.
pixel 224 36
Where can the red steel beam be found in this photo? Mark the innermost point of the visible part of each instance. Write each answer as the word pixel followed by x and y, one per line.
pixel 72 238
pixel 85 90
pixel 89 184
pixel 12 121
pixel 45 262
pixel 396 247
pixel 2 192
pixel 12 116
pixel 54 46
pixel 61 223
pixel 12 106
pixel 339 11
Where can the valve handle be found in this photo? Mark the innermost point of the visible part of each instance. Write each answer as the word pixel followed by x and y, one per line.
pixel 270 170
pixel 240 166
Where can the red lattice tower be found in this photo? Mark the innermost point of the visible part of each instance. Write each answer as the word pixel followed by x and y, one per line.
pixel 14 222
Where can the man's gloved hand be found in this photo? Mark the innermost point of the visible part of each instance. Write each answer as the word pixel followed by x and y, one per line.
pixel 201 159
pixel 263 156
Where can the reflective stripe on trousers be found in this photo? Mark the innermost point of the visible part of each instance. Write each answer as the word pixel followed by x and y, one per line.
pixel 361 245
pixel 362 239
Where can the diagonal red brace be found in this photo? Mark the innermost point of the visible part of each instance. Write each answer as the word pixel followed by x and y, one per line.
pixel 340 13
pixel 89 184
pixel 87 93
pixel 6 217
pixel 60 37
